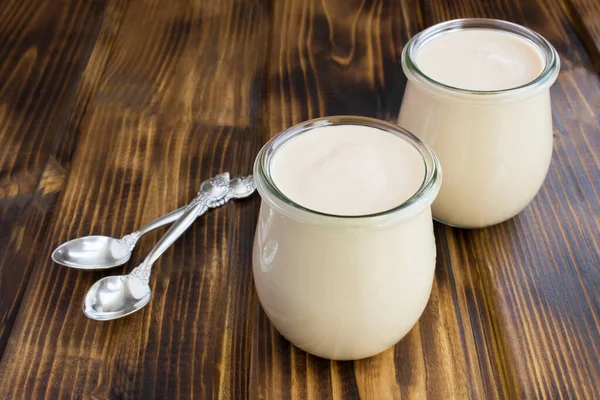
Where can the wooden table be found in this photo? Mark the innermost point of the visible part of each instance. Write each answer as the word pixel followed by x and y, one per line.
pixel 111 114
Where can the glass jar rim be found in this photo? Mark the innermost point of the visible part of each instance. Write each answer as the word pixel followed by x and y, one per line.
pixel 269 191
pixel 544 79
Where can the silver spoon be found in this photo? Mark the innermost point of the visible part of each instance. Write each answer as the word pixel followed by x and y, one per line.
pixel 120 295
pixel 103 252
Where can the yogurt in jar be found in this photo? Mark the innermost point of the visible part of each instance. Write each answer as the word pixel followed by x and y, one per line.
pixel 478 94
pixel 480 59
pixel 348 170
pixel 344 253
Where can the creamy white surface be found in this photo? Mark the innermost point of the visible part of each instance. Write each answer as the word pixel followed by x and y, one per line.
pixel 480 59
pixel 343 293
pixel 348 170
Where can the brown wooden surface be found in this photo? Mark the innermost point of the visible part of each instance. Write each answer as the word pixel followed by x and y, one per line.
pixel 112 112
pixel 586 19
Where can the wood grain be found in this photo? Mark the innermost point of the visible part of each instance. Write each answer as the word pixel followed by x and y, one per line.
pixel 112 113
pixel 543 266
pixel 138 156
pixel 42 96
pixel 585 18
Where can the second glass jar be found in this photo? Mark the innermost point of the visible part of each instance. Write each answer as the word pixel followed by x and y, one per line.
pixel 494 146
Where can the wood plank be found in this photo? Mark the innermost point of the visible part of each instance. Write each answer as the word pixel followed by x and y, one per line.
pixel 179 101
pixel 542 267
pixel 43 88
pixel 585 17
pixel 337 58
pixel 343 58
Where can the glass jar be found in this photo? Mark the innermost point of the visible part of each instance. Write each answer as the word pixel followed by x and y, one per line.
pixel 494 146
pixel 343 287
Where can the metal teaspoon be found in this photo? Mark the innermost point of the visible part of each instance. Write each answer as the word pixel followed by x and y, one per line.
pixel 103 252
pixel 120 295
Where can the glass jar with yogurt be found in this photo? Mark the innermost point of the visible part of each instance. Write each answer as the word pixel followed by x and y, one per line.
pixel 344 252
pixel 478 94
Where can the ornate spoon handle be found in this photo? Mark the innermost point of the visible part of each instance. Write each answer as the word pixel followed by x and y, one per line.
pixel 161 221
pixel 131 239
pixel 211 191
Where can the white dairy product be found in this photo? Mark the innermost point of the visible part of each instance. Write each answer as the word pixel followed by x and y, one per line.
pixel 491 128
pixel 348 170
pixel 345 287
pixel 480 59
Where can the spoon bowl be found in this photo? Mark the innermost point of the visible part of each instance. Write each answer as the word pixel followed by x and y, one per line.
pixel 115 297
pixel 92 252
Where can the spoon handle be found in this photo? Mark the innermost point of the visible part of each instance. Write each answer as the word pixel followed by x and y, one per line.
pixel 130 240
pixel 161 221
pixel 197 207
pixel 175 231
